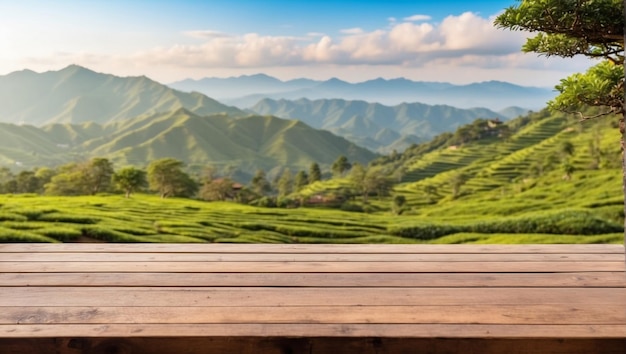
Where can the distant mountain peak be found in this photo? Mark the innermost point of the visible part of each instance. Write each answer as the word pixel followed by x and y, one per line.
pixel 75 68
pixel 76 94
pixel 334 80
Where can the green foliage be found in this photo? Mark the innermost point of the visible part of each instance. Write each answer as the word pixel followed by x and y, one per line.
pixel 10 235
pixel 259 184
pixel 398 203
pixel 97 175
pixel 285 184
pixel 301 180
pixel 167 178
pixel 218 189
pixel 130 179
pixel 340 166
pixel 500 201
pixel 591 28
pixel 601 85
pixel 567 28
pixel 568 222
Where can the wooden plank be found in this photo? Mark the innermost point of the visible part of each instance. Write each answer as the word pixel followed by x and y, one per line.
pixel 308 248
pixel 225 296
pixel 428 280
pixel 312 267
pixel 315 330
pixel 556 314
pixel 324 345
pixel 307 257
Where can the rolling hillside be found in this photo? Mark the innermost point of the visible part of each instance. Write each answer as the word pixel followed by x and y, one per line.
pixel 515 188
pixel 372 125
pixel 246 143
pixel 537 164
pixel 76 95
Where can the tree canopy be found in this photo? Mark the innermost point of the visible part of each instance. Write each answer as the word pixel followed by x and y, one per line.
pixel 130 179
pixel 592 28
pixel 167 177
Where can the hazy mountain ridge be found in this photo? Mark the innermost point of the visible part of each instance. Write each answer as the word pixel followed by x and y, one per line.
pixel 245 91
pixel 248 143
pixel 76 94
pixel 373 125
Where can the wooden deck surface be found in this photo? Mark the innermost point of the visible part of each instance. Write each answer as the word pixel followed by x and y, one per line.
pixel 219 298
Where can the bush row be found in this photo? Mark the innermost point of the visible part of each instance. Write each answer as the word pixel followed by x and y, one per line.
pixel 568 222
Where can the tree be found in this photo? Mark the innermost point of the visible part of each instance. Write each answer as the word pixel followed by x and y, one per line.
pixel 217 189
pixel 27 182
pixel 69 180
pixel 285 183
pixel 300 181
pixel 97 174
pixel 340 166
pixel 592 28
pixel 130 179
pixel 457 181
pixel 357 178
pixel 315 173
pixel 166 176
pixel 88 177
pixel 6 176
pixel 259 184
pixel 370 180
pixel 44 176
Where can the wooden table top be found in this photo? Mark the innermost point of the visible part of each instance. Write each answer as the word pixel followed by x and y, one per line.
pixel 262 290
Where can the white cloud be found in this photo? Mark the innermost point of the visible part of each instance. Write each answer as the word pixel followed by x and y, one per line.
pixel 206 34
pixel 417 18
pixel 355 30
pixel 407 43
pixel 465 42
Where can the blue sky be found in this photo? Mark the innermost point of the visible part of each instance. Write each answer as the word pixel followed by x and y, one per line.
pixel 451 41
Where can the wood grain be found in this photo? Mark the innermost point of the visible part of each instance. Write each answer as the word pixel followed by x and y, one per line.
pixel 183 298
pixel 312 267
pixel 308 280
pixel 564 314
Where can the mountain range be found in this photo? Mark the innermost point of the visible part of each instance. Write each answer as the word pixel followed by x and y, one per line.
pixel 375 126
pixel 76 94
pixel 246 91
pixel 245 143
pixel 75 113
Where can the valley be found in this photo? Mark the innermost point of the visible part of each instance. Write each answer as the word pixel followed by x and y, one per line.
pixel 440 174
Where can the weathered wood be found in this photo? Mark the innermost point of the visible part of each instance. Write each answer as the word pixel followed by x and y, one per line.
pixel 392 314
pixel 111 298
pixel 280 345
pixel 308 257
pixel 310 267
pixel 403 280
pixel 316 330
pixel 261 296
pixel 313 248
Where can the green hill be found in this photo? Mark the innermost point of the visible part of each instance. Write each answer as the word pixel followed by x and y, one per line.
pixel 373 125
pixel 515 186
pixel 76 95
pixel 540 168
pixel 247 143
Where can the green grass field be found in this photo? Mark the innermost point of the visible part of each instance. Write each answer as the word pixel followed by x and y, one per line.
pixel 146 218
pixel 502 201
